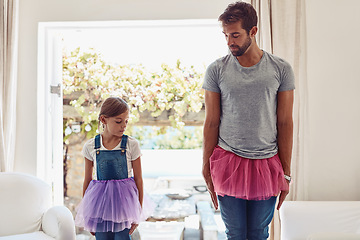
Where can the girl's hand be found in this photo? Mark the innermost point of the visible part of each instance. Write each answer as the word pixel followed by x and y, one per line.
pixel 133 227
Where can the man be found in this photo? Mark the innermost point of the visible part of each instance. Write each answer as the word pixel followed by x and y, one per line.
pixel 248 128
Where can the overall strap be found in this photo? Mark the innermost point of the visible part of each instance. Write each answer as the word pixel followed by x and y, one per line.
pixel 123 143
pixel 97 141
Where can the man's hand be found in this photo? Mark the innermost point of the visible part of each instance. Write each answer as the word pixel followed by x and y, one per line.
pixel 214 199
pixel 210 186
pixel 282 197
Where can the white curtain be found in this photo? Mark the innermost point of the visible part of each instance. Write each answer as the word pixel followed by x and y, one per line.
pixel 282 31
pixel 8 82
pixel 289 41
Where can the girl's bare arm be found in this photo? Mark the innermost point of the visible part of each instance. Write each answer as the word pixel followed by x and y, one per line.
pixel 88 174
pixel 136 164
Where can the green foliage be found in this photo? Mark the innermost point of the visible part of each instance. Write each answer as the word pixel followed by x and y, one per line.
pixel 184 139
pixel 88 80
pixel 152 137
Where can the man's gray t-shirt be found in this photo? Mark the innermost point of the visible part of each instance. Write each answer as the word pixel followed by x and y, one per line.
pixel 248 103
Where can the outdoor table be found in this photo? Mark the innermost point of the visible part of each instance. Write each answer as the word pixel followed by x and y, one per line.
pixel 170 207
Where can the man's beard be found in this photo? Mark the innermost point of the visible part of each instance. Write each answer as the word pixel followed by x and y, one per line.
pixel 240 50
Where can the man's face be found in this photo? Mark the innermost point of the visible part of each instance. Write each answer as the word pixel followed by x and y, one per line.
pixel 238 40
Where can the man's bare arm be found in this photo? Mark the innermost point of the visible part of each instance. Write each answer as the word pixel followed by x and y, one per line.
pixel 211 133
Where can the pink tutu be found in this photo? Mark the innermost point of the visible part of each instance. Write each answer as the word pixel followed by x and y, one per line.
pixel 112 206
pixel 250 179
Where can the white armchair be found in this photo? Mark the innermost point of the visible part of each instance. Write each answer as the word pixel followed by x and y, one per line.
pixel 26 212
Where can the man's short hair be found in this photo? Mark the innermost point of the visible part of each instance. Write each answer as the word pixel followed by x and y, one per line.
pixel 240 12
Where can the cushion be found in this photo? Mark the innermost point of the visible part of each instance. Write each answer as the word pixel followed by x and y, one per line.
pixel 334 236
pixel 29 236
pixel 300 219
pixel 24 199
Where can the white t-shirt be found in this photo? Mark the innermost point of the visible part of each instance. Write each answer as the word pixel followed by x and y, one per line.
pixel 133 152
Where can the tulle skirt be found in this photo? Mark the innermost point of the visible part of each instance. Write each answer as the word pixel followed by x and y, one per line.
pixel 112 206
pixel 250 179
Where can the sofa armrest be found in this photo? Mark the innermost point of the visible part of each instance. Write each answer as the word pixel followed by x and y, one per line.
pixel 58 223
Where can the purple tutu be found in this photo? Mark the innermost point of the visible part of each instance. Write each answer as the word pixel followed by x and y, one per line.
pixel 112 206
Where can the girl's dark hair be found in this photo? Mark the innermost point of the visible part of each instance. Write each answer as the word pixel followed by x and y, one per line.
pixel 240 12
pixel 113 106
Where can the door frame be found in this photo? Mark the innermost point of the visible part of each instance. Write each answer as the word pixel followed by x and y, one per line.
pixel 49 110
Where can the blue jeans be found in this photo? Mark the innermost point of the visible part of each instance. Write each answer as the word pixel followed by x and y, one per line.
pixel 245 219
pixel 123 235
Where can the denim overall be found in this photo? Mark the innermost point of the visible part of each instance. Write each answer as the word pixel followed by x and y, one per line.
pixel 112 165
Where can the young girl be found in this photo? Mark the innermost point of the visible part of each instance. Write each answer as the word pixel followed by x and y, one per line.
pixel 112 204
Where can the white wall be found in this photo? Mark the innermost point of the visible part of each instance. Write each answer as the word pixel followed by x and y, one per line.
pixel 333 76
pixel 334 99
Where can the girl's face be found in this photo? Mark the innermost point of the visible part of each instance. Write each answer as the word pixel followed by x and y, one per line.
pixel 116 125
